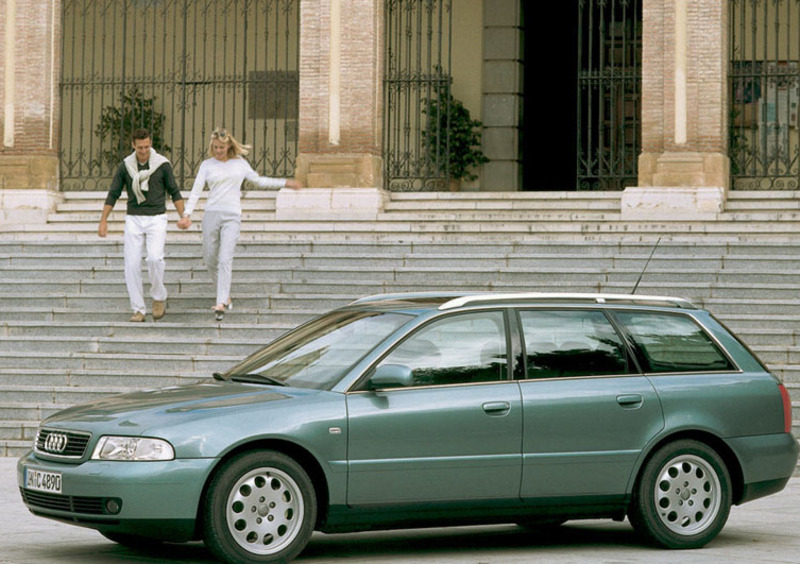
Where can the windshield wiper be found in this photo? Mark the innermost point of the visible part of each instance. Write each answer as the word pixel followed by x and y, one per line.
pixel 254 379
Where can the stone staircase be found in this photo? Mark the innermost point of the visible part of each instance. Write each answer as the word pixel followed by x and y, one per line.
pixel 65 338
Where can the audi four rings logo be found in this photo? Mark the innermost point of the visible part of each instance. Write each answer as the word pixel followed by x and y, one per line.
pixel 56 442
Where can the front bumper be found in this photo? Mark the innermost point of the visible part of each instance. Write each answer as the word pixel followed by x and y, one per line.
pixel 158 499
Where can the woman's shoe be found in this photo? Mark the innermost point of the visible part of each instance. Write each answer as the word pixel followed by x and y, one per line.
pixel 219 311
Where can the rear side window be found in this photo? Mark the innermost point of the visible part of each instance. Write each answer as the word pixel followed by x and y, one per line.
pixel 571 343
pixel 673 343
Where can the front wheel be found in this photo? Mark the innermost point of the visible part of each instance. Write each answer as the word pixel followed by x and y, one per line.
pixel 683 497
pixel 261 507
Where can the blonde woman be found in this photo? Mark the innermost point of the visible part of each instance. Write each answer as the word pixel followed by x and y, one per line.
pixel 223 174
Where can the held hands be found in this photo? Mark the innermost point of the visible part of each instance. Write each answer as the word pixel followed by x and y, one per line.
pixel 293 184
pixel 184 223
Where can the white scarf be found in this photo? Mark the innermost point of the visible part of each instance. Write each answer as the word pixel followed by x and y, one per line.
pixel 141 178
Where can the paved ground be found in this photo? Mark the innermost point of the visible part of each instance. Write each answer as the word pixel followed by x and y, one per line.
pixel 766 530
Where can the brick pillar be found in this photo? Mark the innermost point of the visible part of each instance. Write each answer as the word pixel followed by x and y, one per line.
pixel 340 122
pixel 30 32
pixel 683 168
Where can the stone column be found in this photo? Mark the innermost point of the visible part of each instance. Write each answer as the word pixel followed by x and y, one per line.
pixel 340 127
pixel 683 168
pixel 502 100
pixel 30 38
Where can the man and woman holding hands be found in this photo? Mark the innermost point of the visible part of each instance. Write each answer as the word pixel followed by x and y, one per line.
pixel 148 179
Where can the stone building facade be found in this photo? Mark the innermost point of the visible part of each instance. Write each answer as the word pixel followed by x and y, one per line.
pixel 683 166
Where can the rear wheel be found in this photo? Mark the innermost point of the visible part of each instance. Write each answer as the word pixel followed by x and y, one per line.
pixel 261 507
pixel 683 496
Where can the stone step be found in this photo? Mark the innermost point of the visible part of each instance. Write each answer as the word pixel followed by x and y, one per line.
pixel 610 205
pixel 449 233
pixel 789 375
pixel 117 217
pixel 506 271
pixel 199 365
pixel 435 220
pixel 70 345
pixel 257 333
pixel 59 395
pixel 18 431
pixel 120 379
pixel 778 354
pixel 196 317
pixel 691 248
pixel 246 260
pixel 177 303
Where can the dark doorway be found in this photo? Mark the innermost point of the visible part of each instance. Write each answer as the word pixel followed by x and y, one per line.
pixel 548 142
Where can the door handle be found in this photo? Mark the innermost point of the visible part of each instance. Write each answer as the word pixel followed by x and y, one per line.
pixel 630 400
pixel 496 407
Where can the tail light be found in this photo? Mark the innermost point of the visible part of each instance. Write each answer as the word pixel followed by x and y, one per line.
pixel 787 409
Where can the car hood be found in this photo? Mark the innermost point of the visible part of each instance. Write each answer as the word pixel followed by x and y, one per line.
pixel 134 412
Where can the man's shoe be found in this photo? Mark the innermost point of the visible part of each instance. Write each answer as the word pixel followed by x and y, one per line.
pixel 137 317
pixel 159 309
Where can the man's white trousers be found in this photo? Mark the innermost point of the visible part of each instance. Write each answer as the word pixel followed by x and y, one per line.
pixel 152 231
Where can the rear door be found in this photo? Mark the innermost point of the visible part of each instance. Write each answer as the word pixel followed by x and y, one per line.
pixel 587 412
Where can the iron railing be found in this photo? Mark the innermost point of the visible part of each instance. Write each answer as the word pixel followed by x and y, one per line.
pixel 764 141
pixel 181 67
pixel 609 93
pixel 416 78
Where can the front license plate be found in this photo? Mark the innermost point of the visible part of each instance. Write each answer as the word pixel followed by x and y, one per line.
pixel 42 481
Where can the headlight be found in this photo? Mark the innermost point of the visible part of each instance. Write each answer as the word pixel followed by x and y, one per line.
pixel 132 448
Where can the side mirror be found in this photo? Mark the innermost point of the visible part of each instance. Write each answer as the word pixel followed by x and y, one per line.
pixel 392 376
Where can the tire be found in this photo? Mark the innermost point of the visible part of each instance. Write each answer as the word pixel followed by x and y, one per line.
pixel 683 496
pixel 132 541
pixel 261 507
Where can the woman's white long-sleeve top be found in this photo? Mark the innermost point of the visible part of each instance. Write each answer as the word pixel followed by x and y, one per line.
pixel 224 181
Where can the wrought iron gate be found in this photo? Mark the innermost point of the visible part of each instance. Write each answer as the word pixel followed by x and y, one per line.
pixel 417 94
pixel 764 142
pixel 609 93
pixel 180 68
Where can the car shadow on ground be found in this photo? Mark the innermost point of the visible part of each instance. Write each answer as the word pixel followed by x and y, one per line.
pixel 493 543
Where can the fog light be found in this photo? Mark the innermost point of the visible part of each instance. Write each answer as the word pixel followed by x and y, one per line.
pixel 113 506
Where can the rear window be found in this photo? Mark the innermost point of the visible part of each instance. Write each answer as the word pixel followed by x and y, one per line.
pixel 673 343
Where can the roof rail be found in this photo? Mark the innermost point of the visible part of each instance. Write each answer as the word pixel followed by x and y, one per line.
pixel 632 299
pixel 408 296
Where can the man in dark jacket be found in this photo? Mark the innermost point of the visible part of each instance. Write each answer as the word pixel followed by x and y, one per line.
pixel 147 178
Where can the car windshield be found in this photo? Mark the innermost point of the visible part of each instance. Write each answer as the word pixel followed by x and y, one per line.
pixel 318 354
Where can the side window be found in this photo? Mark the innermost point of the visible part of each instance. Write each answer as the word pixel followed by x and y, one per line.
pixel 463 348
pixel 673 343
pixel 564 343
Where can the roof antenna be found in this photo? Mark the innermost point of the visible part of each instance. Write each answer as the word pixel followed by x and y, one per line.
pixel 645 266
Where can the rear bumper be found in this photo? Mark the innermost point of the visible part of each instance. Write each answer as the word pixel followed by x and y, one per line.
pixel 767 461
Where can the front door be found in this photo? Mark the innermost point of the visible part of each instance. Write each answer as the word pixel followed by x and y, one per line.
pixel 454 433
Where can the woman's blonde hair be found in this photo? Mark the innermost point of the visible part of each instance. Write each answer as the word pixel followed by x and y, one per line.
pixel 235 149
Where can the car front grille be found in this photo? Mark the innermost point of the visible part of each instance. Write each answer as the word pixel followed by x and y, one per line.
pixel 64 444
pixel 72 503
